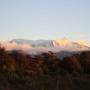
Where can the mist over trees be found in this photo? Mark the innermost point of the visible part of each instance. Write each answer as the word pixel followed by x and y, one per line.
pixel 44 71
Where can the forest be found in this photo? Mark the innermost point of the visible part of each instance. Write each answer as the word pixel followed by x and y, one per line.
pixel 44 71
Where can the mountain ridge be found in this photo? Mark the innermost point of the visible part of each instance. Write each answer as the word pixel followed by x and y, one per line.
pixel 47 43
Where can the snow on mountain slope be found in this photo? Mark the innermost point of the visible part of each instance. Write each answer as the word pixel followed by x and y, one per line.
pixel 38 46
pixel 34 43
pixel 50 43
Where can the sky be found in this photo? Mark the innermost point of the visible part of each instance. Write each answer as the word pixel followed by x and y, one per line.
pixel 45 19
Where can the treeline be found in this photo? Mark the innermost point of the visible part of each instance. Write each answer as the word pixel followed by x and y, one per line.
pixel 44 63
pixel 18 68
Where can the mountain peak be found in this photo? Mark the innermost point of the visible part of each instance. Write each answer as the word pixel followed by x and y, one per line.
pixel 62 42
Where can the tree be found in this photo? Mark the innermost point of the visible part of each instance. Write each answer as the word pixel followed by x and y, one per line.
pixel 71 64
pixel 85 61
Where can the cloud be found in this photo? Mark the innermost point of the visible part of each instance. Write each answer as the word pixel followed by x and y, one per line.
pixel 14 46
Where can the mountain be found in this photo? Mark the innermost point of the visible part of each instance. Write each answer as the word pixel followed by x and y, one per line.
pixel 34 43
pixel 50 45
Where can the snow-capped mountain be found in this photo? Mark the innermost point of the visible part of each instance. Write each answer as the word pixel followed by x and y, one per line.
pixel 36 46
pixel 61 47
pixel 51 43
pixel 34 43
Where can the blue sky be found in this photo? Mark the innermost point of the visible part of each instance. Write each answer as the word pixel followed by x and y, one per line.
pixel 45 19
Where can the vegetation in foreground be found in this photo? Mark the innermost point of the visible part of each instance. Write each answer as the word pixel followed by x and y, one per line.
pixel 44 72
